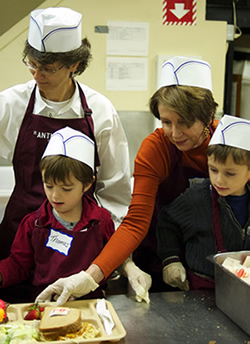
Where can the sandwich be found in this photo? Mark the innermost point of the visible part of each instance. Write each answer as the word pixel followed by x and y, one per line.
pixel 59 321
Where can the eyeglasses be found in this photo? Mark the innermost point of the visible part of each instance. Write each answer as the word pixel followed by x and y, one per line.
pixel 44 70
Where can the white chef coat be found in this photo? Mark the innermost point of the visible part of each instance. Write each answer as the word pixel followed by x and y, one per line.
pixel 113 190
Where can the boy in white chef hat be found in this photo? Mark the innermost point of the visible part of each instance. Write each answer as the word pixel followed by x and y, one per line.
pixel 210 217
pixel 79 150
pixel 66 233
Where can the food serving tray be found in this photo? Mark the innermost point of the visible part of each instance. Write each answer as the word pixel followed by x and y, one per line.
pixel 17 312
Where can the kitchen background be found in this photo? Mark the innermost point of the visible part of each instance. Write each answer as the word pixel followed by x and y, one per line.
pixel 217 32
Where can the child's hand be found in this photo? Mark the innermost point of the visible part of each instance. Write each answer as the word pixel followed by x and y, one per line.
pixel 75 285
pixel 174 274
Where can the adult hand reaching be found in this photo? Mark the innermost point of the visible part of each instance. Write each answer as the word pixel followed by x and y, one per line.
pixel 75 285
pixel 174 274
pixel 139 280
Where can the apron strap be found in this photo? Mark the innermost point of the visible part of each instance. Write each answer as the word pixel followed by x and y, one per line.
pixel 29 109
pixel 216 222
pixel 85 106
pixel 90 122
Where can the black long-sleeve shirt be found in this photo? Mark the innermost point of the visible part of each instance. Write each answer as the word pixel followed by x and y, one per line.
pixel 185 229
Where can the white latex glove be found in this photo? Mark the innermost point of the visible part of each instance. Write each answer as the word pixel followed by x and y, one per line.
pixel 174 274
pixel 139 280
pixel 75 285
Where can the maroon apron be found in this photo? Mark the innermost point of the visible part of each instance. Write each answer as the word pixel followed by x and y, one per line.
pixel 199 282
pixel 216 223
pixel 82 248
pixel 28 193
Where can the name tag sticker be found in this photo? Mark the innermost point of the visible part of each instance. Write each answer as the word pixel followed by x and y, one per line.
pixel 59 241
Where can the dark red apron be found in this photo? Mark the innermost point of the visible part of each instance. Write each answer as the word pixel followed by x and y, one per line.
pixel 83 249
pixel 199 282
pixel 28 193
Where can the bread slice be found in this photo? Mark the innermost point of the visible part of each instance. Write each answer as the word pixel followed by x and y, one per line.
pixel 53 326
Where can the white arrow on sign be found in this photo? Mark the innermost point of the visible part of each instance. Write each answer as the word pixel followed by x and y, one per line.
pixel 179 11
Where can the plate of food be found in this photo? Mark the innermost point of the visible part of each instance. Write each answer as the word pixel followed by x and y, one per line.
pixel 75 322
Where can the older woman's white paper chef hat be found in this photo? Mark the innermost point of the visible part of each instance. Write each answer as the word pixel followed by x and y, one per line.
pixel 186 71
pixel 73 144
pixel 55 29
pixel 232 131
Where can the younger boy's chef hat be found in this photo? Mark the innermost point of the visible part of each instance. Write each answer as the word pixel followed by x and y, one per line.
pixel 73 144
pixel 55 29
pixel 185 71
pixel 232 131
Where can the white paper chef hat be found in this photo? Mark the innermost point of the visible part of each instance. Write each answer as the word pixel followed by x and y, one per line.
pixel 232 131
pixel 186 71
pixel 71 143
pixel 55 29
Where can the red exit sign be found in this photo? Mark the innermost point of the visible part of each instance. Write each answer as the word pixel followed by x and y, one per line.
pixel 179 12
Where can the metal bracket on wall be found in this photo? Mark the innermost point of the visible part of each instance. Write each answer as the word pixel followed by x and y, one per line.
pixel 101 29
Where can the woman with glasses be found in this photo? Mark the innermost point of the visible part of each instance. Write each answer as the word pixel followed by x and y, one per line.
pixel 29 113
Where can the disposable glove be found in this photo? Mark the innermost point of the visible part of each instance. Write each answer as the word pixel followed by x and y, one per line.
pixel 139 280
pixel 174 274
pixel 75 286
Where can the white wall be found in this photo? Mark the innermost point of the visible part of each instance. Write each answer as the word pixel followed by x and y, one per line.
pixel 206 39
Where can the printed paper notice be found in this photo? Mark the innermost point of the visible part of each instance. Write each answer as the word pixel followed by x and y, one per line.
pixel 126 73
pixel 127 38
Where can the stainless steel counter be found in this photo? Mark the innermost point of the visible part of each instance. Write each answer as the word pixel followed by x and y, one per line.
pixel 175 318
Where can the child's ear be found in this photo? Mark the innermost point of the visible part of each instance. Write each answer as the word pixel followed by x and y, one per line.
pixel 88 185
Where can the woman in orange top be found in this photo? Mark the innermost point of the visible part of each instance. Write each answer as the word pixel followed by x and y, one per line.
pixel 168 161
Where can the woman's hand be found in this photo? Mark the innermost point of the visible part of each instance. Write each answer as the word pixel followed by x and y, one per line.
pixel 139 280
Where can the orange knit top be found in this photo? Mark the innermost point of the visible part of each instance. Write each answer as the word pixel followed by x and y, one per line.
pixel 152 166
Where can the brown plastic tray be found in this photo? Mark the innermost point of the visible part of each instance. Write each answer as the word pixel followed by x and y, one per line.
pixel 16 312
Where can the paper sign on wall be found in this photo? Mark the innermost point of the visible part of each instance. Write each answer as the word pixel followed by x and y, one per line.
pixel 126 73
pixel 179 12
pixel 127 38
